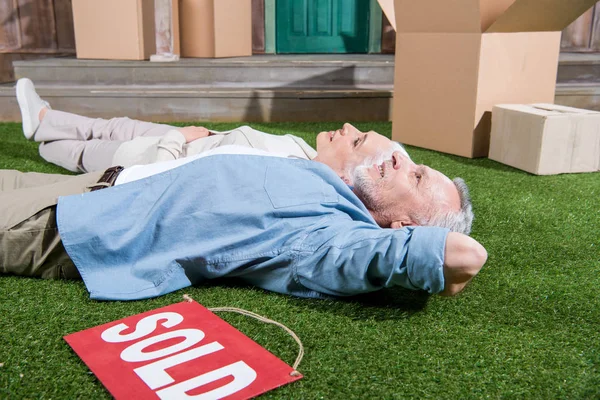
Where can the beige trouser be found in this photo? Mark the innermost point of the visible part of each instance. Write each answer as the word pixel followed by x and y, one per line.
pixel 82 144
pixel 30 244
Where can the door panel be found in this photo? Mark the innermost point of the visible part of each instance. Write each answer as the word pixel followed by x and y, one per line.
pixel 322 26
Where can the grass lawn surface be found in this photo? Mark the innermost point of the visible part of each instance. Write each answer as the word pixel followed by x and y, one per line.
pixel 528 326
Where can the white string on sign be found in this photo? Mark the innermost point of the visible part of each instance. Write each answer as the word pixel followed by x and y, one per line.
pixel 267 321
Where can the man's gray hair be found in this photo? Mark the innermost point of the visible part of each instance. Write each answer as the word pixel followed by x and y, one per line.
pixel 459 221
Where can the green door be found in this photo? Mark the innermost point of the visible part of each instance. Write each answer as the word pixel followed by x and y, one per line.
pixel 322 26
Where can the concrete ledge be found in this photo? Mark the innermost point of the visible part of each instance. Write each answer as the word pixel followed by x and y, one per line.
pixel 579 68
pixel 256 71
pixel 580 95
pixel 237 102
pixel 282 60
pixel 182 105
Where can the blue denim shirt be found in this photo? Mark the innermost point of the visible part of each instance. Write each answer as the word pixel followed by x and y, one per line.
pixel 285 225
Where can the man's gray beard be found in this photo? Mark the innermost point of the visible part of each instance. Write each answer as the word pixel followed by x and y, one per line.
pixel 366 188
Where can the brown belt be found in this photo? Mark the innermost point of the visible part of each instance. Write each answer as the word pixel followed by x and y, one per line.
pixel 108 178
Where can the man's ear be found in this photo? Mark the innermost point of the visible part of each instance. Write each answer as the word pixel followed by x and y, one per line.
pixel 346 180
pixel 401 223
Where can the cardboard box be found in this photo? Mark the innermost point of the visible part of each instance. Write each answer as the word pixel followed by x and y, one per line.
pixel 114 29
pixel 456 59
pixel 215 28
pixel 546 139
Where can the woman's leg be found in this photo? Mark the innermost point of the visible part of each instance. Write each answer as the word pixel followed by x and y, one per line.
pixel 80 155
pixel 60 125
pixel 82 144
pixel 42 124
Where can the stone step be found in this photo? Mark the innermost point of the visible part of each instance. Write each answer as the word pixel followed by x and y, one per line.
pixel 295 71
pixel 185 103
pixel 579 95
pixel 205 103
pixel 261 71
pixel 258 88
pixel 579 68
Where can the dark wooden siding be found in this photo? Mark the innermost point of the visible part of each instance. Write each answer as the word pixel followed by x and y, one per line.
pixel 388 36
pixel 32 29
pixel 258 26
pixel 63 12
pixel 36 26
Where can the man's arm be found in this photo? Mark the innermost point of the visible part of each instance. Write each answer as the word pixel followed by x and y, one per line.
pixel 355 258
pixel 463 258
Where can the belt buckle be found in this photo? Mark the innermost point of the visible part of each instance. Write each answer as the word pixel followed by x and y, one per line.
pixel 109 177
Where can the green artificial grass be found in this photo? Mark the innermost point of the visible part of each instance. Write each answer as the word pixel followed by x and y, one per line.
pixel 528 326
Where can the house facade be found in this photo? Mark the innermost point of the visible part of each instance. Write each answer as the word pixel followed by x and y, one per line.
pixel 315 60
pixel 40 28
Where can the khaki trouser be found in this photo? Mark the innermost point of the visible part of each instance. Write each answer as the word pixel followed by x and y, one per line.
pixel 30 244
pixel 82 144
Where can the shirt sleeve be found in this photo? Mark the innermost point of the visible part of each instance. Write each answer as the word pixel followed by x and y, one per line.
pixel 170 146
pixel 364 259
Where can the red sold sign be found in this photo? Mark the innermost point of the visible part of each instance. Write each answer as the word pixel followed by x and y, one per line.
pixel 178 351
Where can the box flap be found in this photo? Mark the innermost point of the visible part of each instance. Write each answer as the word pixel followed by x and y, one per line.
pixel 540 15
pixel 491 10
pixel 434 16
pixel 458 16
pixel 388 9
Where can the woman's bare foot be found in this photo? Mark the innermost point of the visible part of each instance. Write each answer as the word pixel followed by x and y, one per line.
pixel 43 113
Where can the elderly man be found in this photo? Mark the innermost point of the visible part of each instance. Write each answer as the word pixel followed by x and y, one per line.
pixel 82 144
pixel 286 225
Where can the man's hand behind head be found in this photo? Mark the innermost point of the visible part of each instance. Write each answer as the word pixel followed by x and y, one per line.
pixel 463 258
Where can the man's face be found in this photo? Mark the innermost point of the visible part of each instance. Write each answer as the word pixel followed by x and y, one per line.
pixel 346 148
pixel 397 191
